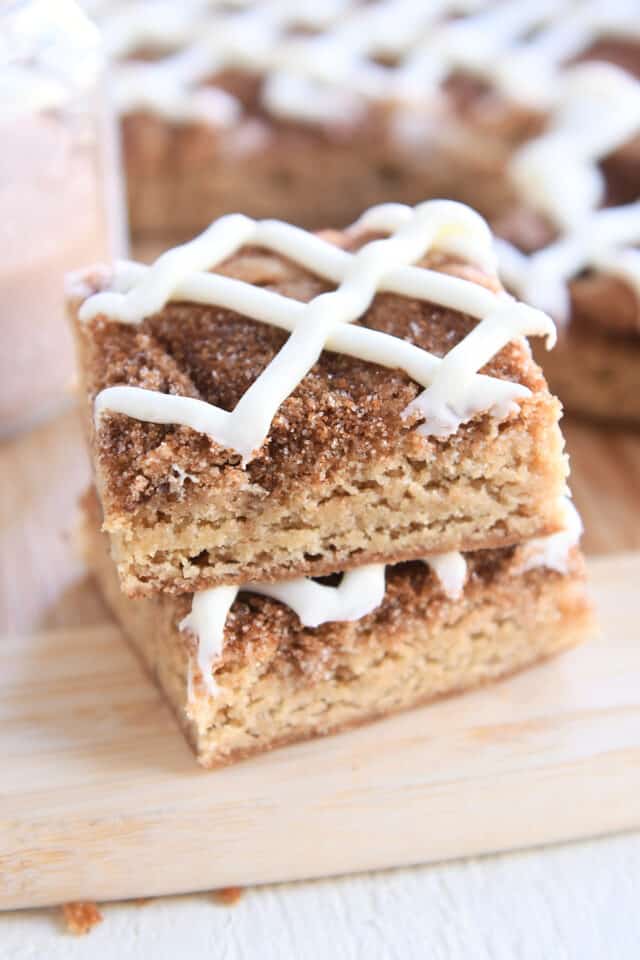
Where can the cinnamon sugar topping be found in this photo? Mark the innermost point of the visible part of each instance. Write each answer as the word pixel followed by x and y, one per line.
pixel 454 391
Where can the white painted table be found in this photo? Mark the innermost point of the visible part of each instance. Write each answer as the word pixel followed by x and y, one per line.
pixel 578 901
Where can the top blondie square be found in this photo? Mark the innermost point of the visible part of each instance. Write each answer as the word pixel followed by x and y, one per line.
pixel 265 403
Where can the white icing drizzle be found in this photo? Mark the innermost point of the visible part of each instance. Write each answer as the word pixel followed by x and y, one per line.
pixel 359 593
pixel 330 74
pixel 607 241
pixel 531 70
pixel 454 393
pixel 451 571
pixel 553 551
pixel 521 47
pixel 597 110
pixel 209 612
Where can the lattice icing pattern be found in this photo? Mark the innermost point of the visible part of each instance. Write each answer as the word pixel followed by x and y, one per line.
pixel 607 241
pixel 597 111
pixel 557 174
pixel 359 593
pixel 454 390
pixel 325 62
pixel 594 111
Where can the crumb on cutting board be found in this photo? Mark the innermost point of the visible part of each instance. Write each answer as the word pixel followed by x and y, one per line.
pixel 228 896
pixel 81 917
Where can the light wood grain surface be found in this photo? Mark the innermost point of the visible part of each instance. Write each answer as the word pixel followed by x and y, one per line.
pixel 577 902
pixel 105 800
pixel 87 736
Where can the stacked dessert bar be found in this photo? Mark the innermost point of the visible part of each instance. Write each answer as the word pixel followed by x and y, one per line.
pixel 573 238
pixel 527 109
pixel 329 476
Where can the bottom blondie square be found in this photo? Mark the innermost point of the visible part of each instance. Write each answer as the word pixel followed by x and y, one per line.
pixel 276 681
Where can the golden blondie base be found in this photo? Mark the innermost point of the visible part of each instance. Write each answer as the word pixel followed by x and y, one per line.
pixel 279 682
pixel 182 176
pixel 507 490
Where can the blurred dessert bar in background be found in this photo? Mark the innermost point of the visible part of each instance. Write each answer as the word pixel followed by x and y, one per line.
pixel 529 110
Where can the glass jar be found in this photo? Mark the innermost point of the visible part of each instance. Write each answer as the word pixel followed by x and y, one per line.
pixel 60 198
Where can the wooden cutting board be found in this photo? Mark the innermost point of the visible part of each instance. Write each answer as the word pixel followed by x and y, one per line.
pixel 100 797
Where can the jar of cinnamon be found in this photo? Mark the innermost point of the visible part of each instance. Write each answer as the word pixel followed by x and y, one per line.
pixel 60 200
